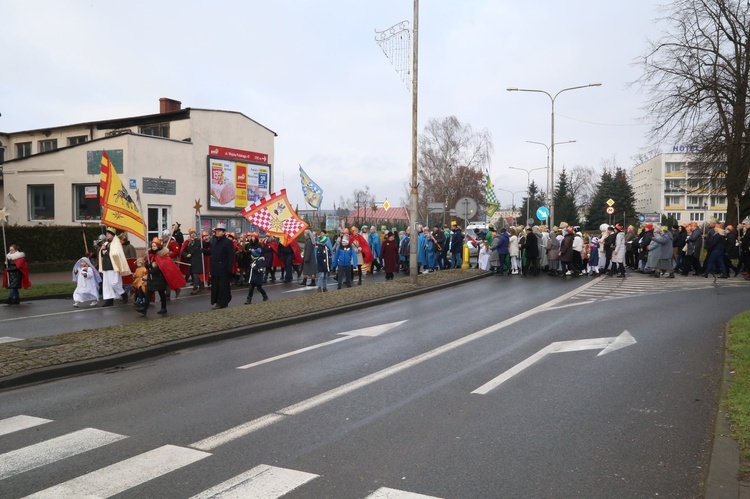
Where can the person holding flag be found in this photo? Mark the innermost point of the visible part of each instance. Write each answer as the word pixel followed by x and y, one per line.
pixel 112 265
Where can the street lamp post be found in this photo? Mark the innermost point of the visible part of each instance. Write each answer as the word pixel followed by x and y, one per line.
pixel 528 183
pixel 548 192
pixel 552 135
pixel 512 199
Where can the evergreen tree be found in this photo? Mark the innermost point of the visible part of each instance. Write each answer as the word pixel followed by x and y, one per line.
pixel 614 185
pixel 565 202
pixel 596 213
pixel 537 200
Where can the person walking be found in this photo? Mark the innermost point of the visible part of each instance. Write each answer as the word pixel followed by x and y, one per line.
pixel 257 269
pixel 309 262
pixel 193 256
pixel 618 254
pixel 345 259
pixel 390 256
pixel 16 274
pixel 87 281
pixel 323 260
pixel 222 259
pixel 112 265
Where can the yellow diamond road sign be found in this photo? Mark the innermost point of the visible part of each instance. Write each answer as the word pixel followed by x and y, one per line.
pixel 386 205
pixel 610 202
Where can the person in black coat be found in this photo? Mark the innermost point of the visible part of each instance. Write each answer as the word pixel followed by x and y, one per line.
pixel 257 270
pixel 222 260
pixel 531 247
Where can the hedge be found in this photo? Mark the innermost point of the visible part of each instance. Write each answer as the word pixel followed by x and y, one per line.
pixel 44 243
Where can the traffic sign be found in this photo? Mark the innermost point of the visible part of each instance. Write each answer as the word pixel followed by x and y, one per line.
pixel 542 213
pixel 610 210
pixel 610 202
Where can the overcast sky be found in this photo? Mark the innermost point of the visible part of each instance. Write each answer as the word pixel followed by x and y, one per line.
pixel 312 72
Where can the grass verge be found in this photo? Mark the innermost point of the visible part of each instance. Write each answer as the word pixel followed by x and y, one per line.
pixel 738 394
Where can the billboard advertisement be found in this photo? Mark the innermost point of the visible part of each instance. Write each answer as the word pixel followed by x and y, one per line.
pixel 234 184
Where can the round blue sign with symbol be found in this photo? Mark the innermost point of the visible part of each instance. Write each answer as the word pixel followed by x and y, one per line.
pixel 641 218
pixel 542 213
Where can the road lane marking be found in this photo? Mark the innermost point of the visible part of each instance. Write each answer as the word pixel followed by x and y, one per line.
pixel 18 423
pixel 606 344
pixel 124 475
pixel 244 429
pixel 261 482
pixel 8 339
pixel 53 314
pixel 49 451
pixel 367 331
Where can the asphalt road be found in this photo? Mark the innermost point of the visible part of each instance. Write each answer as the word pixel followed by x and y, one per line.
pixel 411 407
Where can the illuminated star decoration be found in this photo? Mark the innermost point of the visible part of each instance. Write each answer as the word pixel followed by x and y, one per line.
pixel 4 215
pixel 198 207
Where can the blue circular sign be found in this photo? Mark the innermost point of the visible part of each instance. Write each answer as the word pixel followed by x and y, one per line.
pixel 542 213
pixel 641 218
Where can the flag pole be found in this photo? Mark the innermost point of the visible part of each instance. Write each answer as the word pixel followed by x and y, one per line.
pixel 3 220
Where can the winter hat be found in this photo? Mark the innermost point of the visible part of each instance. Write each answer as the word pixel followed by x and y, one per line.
pixel 595 241
pixel 112 230
pixel 345 240
pixel 256 252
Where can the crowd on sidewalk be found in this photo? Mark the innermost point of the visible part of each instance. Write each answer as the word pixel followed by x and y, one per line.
pixel 220 260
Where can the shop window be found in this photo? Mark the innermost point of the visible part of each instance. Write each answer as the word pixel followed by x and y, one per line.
pixel 86 202
pixel 41 202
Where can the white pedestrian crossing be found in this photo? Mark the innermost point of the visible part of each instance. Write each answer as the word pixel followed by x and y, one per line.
pixel 386 493
pixel 124 475
pixel 261 482
pixel 18 423
pixel 49 451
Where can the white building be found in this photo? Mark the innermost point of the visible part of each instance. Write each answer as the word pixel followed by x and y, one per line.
pixel 173 158
pixel 670 184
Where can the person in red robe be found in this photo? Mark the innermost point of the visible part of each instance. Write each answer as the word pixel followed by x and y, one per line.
pixel 359 242
pixel 297 257
pixel 163 275
pixel 16 274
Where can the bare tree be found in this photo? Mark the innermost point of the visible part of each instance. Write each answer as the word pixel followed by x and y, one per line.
pixel 582 180
pixel 698 77
pixel 452 161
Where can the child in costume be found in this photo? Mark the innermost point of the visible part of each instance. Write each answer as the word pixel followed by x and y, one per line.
pixel 345 260
pixel 87 281
pixel 257 269
pixel 139 283
pixel 323 256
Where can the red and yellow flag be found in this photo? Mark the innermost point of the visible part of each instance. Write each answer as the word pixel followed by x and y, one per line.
pixel 118 207
pixel 274 215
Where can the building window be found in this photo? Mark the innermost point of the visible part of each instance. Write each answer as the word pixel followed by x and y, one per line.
pixel 41 202
pixel 672 200
pixel 86 202
pixel 696 217
pixel 80 139
pixel 2 155
pixel 23 149
pixel 720 201
pixel 695 201
pixel 674 216
pixel 157 130
pixel 674 167
pixel 47 145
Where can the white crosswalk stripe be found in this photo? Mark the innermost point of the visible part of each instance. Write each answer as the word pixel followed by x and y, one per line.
pixel 8 339
pixel 121 476
pixel 18 423
pixel 636 284
pixel 386 493
pixel 261 482
pixel 49 451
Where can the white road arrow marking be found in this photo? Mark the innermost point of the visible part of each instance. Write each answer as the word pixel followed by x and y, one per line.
pixel 606 344
pixel 368 331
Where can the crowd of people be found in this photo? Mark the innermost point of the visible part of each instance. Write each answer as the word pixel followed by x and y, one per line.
pixel 220 260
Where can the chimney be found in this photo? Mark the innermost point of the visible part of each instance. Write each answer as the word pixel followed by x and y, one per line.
pixel 168 105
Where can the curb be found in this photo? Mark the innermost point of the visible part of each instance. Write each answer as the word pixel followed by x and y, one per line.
pixel 97 364
pixel 722 480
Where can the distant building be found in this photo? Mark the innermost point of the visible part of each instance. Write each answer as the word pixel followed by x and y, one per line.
pixel 50 175
pixel 670 185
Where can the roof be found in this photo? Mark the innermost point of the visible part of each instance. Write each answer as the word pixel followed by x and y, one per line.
pixel 145 119
pixel 394 213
